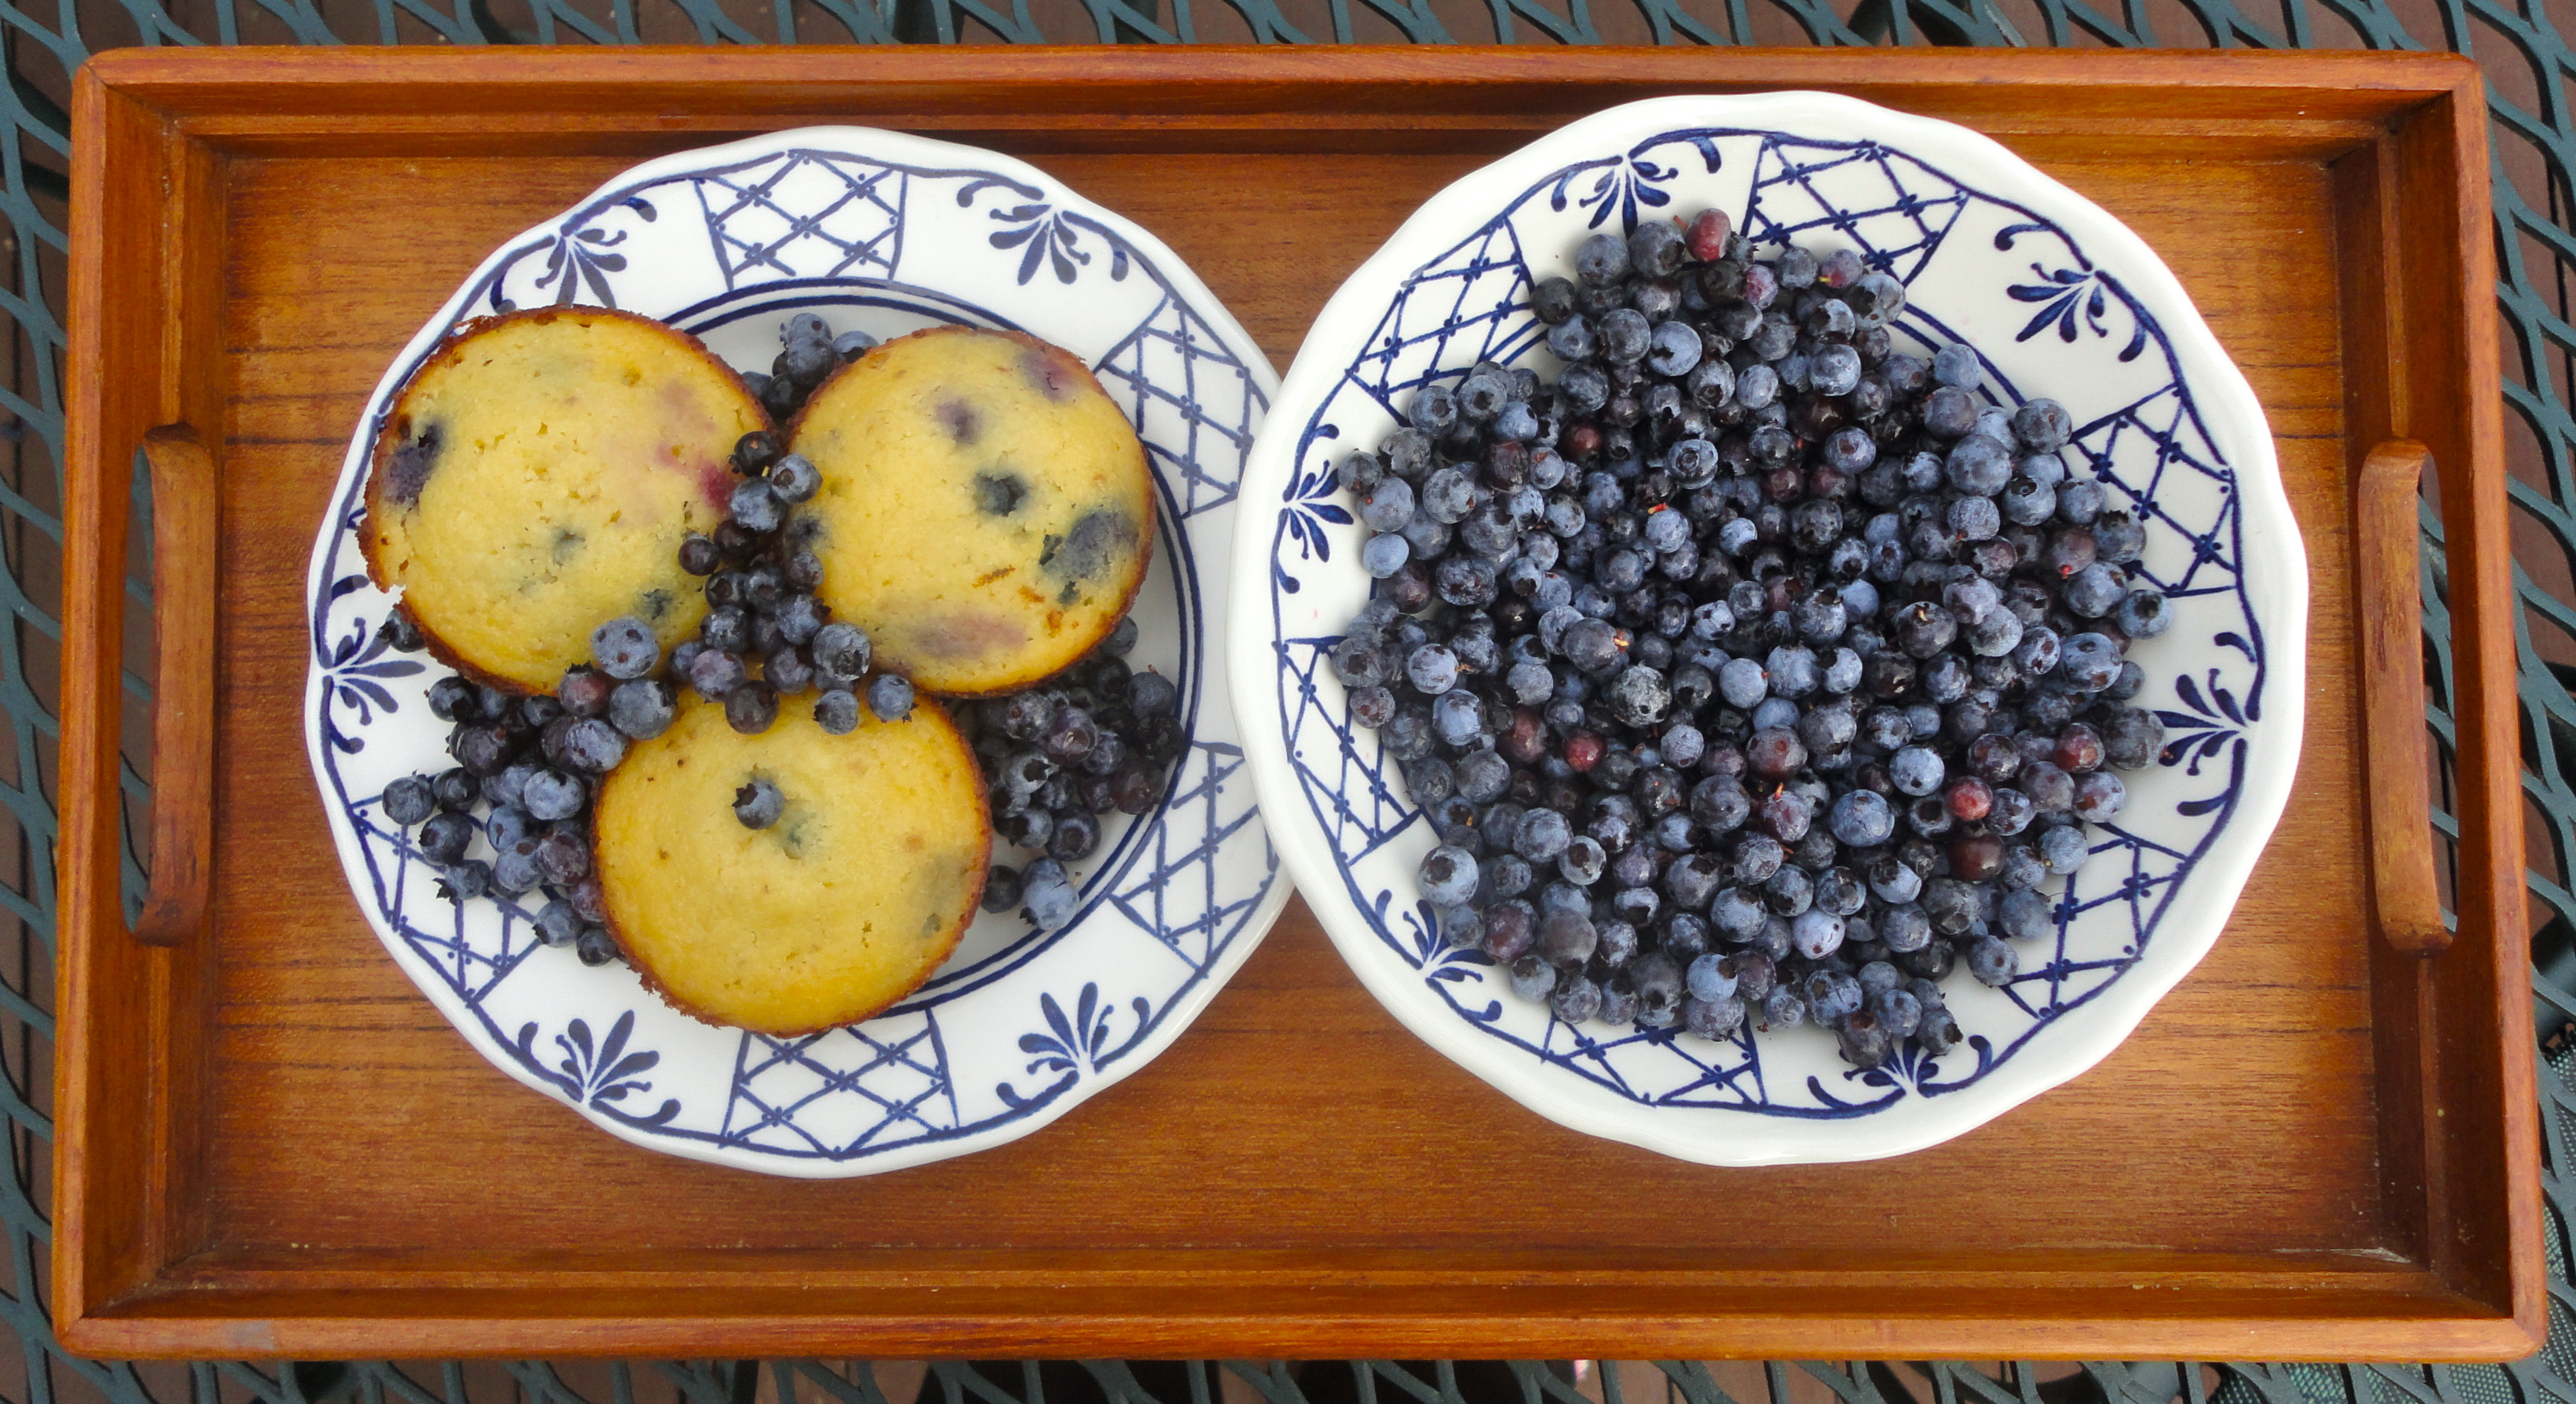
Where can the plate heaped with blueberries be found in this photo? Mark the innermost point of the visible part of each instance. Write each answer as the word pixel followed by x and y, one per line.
pixel 761 690
pixel 1772 631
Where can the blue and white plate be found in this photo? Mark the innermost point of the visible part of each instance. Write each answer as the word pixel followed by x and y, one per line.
pixel 2063 301
pixel 884 233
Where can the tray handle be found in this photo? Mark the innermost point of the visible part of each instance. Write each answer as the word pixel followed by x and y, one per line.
pixel 183 728
pixel 2402 861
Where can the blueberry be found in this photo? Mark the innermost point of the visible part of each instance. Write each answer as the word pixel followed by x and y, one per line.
pixel 455 790
pixel 595 946
pixel 624 647
pixel 1076 836
pixel 1956 366
pixel 1576 999
pixel 2143 614
pixel 592 745
pixel 2089 661
pixel 481 750
pixel 890 697
pixel 1434 409
pixel 444 836
pixel 408 801
pixel 841 653
pixel 756 506
pixel 552 795
pixel 643 709
pixel 2024 916
pixel 1861 819
pixel 793 478
pixel 1834 371
pixel 2092 592
pixel 1916 770
pixel 1978 465
pixel 559 924
pixel 1388 506
pixel 1673 349
pixel 1449 876
pixel 463 882
pixel 562 857
pixel 1432 670
pixel 1992 962
pixel 2042 426
pixel 1573 341
pixel 453 699
pixel 1002 888
pixel 1601 260
pixel 1832 995
pixel 514 869
pixel 1049 894
pixel 751 707
pixel 755 451
pixel 2099 797
pixel 1532 978
pixel 799 618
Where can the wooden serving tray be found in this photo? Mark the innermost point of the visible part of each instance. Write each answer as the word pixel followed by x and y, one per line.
pixel 2322 1144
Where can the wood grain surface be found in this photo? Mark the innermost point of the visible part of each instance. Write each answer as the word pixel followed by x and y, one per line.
pixel 2256 1172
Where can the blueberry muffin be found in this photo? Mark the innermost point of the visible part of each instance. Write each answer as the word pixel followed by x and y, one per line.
pixel 986 512
pixel 860 882
pixel 535 478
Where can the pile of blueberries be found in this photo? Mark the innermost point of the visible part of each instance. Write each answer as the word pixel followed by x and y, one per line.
pixel 1097 737
pixel 1054 760
pixel 1753 670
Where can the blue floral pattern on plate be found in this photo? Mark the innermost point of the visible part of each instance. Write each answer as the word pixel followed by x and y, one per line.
pixel 885 233
pixel 2061 301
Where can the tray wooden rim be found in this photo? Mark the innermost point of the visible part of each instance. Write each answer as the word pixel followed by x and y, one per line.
pixel 128 1283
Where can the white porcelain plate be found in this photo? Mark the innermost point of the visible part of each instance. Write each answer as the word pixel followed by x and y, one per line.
pixel 884 233
pixel 2062 301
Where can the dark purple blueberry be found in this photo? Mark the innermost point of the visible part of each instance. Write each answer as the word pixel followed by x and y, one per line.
pixel 444 836
pixel 756 506
pixel 481 749
pixel 562 858
pixel 698 555
pixel 643 708
pixel 595 946
pixel 463 882
pixel 400 632
pixel 1600 261
pixel 840 653
pixel 408 801
pixel 755 451
pixel 794 479
pixel 1001 888
pixel 549 795
pixel 456 790
pixel 625 648
pixel 592 746
pixel 515 870
pixel 453 699
pixel 1076 835
pixel 751 707
pixel 2042 426
pixel 716 672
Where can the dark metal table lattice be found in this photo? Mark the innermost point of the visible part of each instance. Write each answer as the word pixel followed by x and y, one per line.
pixel 2531 72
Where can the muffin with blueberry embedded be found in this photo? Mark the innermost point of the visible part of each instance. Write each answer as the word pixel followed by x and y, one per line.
pixel 794 880
pixel 986 513
pixel 537 475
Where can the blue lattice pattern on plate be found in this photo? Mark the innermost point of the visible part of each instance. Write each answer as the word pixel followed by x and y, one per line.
pixel 1983 268
pixel 885 233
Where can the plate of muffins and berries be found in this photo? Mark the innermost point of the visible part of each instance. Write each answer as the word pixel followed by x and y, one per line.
pixel 1722 668
pixel 763 690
